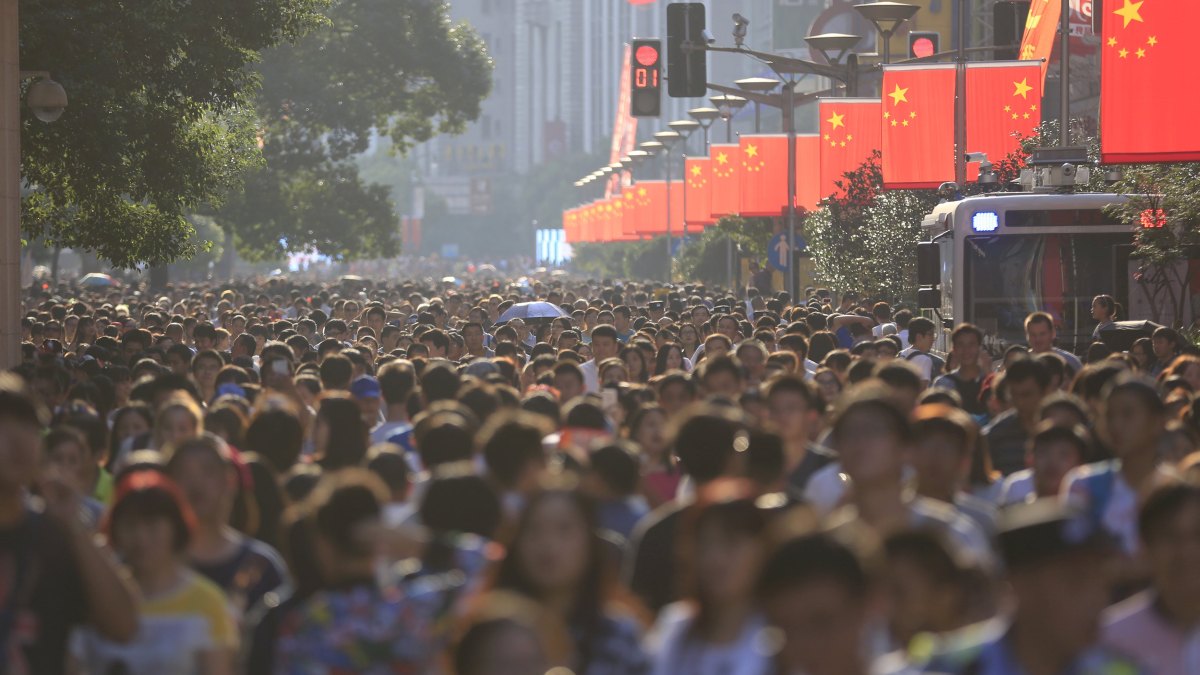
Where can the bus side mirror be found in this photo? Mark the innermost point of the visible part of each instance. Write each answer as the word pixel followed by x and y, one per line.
pixel 929 298
pixel 929 264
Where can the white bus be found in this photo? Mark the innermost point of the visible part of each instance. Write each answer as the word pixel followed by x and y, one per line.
pixel 992 259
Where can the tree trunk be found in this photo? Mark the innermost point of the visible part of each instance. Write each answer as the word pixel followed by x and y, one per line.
pixel 224 270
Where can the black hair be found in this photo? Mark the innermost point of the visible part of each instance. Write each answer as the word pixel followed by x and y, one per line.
pixel 509 444
pixel 1025 369
pixel 813 558
pixel 705 442
pixel 617 466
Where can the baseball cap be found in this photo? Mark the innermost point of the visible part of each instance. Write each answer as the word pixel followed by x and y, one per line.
pixel 365 386
pixel 1040 531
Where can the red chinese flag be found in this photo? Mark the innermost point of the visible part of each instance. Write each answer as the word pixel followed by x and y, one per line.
pixel 589 218
pixel 612 218
pixel 697 174
pixel 918 125
pixel 725 187
pixel 676 223
pixel 629 212
pixel 808 171
pixel 1041 31
pixel 1003 103
pixel 764 176
pixel 652 207
pixel 850 132
pixel 1148 102
pixel 570 221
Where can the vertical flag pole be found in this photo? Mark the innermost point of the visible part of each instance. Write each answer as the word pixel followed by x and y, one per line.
pixel 667 153
pixel 960 99
pixel 1064 62
pixel 790 116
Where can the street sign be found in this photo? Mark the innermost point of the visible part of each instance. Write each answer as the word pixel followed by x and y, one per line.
pixel 778 251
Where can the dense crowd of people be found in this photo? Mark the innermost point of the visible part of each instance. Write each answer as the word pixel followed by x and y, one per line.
pixel 585 477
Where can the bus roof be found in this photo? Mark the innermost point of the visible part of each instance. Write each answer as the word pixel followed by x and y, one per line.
pixel 948 214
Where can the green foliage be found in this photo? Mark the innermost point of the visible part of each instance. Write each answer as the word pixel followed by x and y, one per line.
pixel 160 118
pixel 707 257
pixel 1166 195
pixel 866 237
pixel 397 68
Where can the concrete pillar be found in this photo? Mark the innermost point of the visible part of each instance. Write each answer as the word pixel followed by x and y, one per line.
pixel 10 187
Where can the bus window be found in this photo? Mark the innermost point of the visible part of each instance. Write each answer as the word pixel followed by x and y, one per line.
pixel 1008 277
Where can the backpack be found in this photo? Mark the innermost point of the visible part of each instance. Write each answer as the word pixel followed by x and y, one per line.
pixel 939 364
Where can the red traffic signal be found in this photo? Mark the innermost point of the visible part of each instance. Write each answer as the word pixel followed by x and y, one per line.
pixel 922 43
pixel 646 79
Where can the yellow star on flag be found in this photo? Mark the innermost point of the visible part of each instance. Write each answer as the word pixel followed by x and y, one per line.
pixel 751 151
pixel 1033 107
pixel 1123 53
pixel 1151 40
pixel 641 192
pixel 1112 42
pixel 1026 115
pixel 1141 53
pixel 842 143
pixel 1130 11
pixel 894 122
pixel 887 115
pixel 913 114
pixel 1008 108
pixel 899 95
pixel 1033 21
pixel 833 144
pixel 836 119
pixel 849 137
pixel 696 171
pixel 722 158
pixel 1022 88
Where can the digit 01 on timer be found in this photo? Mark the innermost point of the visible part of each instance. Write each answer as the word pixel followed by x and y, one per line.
pixel 646 89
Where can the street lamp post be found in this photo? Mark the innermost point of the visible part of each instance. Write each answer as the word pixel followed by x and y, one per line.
pixel 47 99
pixel 684 128
pixel 757 85
pixel 728 105
pixel 668 139
pixel 705 118
pixel 886 17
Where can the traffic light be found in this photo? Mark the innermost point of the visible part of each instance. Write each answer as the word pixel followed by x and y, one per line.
pixel 646 80
pixel 923 43
pixel 687 71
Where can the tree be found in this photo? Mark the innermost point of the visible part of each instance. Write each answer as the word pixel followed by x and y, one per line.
pixel 160 117
pixel 707 257
pixel 396 68
pixel 1163 204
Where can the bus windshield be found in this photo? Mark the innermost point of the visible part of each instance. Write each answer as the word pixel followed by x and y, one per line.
pixel 1007 277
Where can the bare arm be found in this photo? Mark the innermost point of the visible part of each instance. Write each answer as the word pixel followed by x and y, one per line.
pixel 111 601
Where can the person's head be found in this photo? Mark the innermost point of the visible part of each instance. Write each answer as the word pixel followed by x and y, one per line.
pixel 1055 560
pixel 927 582
pixel 442 438
pixel 1104 308
pixel 568 380
pixel 752 355
pixel 65 449
pixel 1142 353
pixel 555 553
pixel 1134 418
pixel 437 341
pixel 150 523
pixel 716 345
pixel 340 436
pixel 205 473
pixel 1027 383
pixel 1165 342
pixel 365 391
pixel 706 439
pixel 794 406
pixel 872 434
pixel 344 504
pixel 177 420
pixel 724 540
pixel 1054 450
pixel 472 333
pixel 670 357
pixel 966 340
pixel 458 500
pixel 816 591
pixel 944 440
pixel 276 435
pixel 676 390
pixel 1039 332
pixel 921 333
pixel 1186 367
pixel 604 342
pixel 505 643
pixel 511 445
pixel 1169 526
pixel 723 376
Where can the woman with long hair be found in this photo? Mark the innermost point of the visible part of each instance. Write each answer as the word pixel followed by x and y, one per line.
pixel 671 357
pixel 340 436
pixel 689 338
pixel 635 364
pixel 558 560
pixel 648 428
pixel 717 629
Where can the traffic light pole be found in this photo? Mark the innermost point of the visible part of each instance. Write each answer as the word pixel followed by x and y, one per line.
pixel 790 112
pixel 670 263
pixel 960 99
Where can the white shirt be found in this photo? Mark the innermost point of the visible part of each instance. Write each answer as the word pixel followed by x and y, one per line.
pixel 591 376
